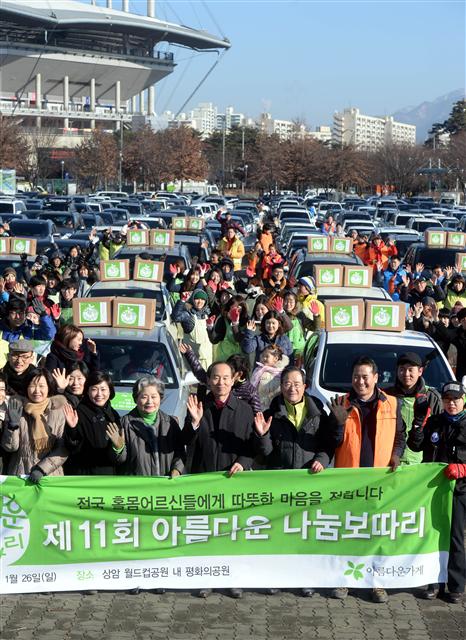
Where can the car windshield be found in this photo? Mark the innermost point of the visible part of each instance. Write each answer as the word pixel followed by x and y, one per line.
pixel 335 372
pixel 146 294
pixel 32 230
pixel 128 360
pixel 431 257
pixel 307 268
pixel 6 207
pixel 15 264
pixel 422 225
pixel 57 206
pixel 60 220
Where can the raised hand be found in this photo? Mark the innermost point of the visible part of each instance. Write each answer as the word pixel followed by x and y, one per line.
pixel 418 309
pixel 92 346
pixel 115 434
pixel 314 307
pixel 61 379
pixel 419 267
pixel 185 295
pixel 184 348
pixel 316 467
pixel 277 304
pixel 448 272
pixel 262 425
pixel 251 325
pixel 210 322
pixel 234 315
pixel 71 416
pixel 213 285
pixel 173 268
pixel 338 409
pixel 196 410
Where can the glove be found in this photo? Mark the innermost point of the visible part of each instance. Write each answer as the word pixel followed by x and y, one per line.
pixel 422 410
pixel 36 475
pixel 224 285
pixel 173 269
pixel 15 411
pixel 455 470
pixel 278 304
pixel 38 307
pixel 203 269
pixel 339 411
pixel 250 272
pixel 234 315
pixel 314 307
pixel 185 295
pixel 55 310
pixel 210 322
pixel 212 285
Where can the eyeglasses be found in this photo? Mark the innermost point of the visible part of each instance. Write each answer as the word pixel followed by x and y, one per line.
pixel 292 385
pixel 20 356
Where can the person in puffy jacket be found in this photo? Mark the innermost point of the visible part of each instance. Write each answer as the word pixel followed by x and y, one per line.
pixel 443 439
pixel 272 333
pixel 194 319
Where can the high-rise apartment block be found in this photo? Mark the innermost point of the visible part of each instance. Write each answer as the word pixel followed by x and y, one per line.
pixel 369 133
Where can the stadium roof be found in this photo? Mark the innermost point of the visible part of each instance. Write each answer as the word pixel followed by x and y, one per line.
pixel 63 15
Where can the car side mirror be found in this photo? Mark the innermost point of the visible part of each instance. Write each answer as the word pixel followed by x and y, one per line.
pixel 189 379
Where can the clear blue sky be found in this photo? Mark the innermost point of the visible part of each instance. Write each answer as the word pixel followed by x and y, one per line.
pixel 306 59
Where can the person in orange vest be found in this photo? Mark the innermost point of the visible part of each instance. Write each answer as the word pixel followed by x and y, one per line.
pixel 370 431
pixel 378 253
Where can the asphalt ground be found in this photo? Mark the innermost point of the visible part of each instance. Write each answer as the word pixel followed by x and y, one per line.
pixel 179 615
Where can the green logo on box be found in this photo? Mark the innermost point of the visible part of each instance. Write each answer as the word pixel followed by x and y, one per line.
pixel 356 277
pixel 195 223
pixel 90 312
pixel 114 270
pixel 180 223
pixel 463 263
pixel 161 238
pixel 128 314
pixel 328 276
pixel 317 244
pixel 382 316
pixel 456 238
pixel 340 246
pixel 436 238
pixel 341 316
pixel 20 246
pixel 147 271
pixel 136 237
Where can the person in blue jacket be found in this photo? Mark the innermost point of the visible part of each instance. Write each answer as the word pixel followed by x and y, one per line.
pixel 272 333
pixel 18 324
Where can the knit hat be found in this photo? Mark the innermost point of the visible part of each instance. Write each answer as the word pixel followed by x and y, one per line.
pixel 308 282
pixel 199 294
pixel 428 300
pixel 9 270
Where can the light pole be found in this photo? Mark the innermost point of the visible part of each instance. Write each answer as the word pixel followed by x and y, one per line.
pixel 120 157
pixel 245 167
pixel 62 163
pixel 223 156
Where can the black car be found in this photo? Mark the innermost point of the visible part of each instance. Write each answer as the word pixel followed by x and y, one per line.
pixel 41 230
pixel 429 257
pixel 64 221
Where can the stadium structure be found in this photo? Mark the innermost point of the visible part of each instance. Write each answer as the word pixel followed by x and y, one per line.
pixel 69 67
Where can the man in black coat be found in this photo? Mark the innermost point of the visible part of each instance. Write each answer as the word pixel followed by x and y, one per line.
pixel 19 366
pixel 219 434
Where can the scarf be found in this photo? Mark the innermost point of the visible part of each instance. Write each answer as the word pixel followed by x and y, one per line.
pixel 64 353
pixel 457 418
pixel 149 419
pixel 40 436
pixel 219 404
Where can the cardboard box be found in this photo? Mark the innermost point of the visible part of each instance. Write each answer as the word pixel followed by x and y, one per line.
pixel 137 237
pixel 180 224
pixel 318 244
pixel 162 238
pixel 461 261
pixel 196 224
pixel 23 245
pixel 341 245
pixel 435 238
pixel 133 313
pixel 148 270
pixel 116 270
pixel 328 275
pixel 92 312
pixel 385 316
pixel 344 315
pixel 456 240
pixel 4 245
pixel 357 276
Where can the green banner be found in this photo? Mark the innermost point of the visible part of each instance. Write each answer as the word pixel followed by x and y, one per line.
pixel 341 527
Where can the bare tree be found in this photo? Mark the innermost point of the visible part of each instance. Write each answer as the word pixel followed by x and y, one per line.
pixel 97 159
pixel 14 147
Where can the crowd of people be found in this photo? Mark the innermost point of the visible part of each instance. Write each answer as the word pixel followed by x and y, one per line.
pixel 242 326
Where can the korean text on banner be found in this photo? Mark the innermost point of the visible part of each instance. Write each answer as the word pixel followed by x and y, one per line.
pixel 340 528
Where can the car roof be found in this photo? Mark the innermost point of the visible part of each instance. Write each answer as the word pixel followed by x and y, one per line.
pixel 408 338
pixel 366 293
pixel 334 258
pixel 127 284
pixel 152 335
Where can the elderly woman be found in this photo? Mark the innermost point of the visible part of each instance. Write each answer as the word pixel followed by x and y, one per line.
pixel 92 452
pixel 34 430
pixel 151 439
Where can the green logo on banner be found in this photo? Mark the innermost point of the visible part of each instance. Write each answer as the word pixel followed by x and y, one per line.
pixel 90 312
pixel 354 570
pixel 341 316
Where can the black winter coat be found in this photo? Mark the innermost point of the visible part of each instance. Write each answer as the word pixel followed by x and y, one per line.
pixel 224 436
pixel 91 451
pixel 60 357
pixel 441 441
pixel 285 447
